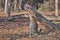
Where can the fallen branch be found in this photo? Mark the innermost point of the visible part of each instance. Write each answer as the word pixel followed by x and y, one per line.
pixel 41 18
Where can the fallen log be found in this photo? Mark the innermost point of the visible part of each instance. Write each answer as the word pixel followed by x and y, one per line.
pixel 41 18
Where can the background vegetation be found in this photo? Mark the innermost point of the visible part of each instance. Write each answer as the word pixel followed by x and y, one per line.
pixel 43 5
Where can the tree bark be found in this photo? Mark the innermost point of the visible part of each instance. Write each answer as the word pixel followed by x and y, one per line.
pixel 41 18
pixel 21 4
pixel 15 4
pixel 7 8
pixel 56 8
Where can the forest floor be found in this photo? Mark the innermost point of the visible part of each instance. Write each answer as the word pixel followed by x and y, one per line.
pixel 17 29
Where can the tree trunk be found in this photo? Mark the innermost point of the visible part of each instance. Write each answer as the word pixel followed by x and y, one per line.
pixel 15 4
pixel 20 4
pixel 56 8
pixel 41 18
pixel 7 8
